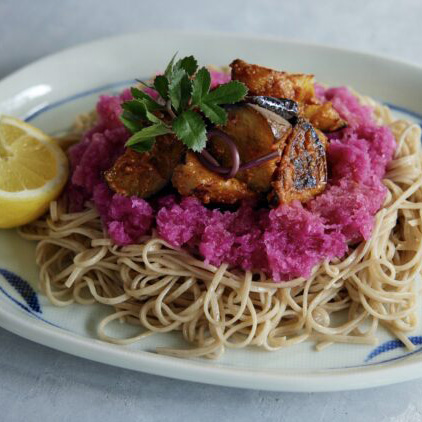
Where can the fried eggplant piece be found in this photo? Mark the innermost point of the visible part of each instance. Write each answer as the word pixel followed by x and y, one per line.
pixel 144 174
pixel 256 132
pixel 323 117
pixel 192 178
pixel 302 171
pixel 264 81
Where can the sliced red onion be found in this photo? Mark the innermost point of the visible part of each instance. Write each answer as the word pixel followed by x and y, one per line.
pixel 212 164
pixel 235 158
pixel 228 172
pixel 258 161
pixel 213 161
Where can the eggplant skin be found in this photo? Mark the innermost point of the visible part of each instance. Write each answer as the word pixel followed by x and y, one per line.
pixel 285 108
pixel 256 132
pixel 264 81
pixel 144 174
pixel 323 116
pixel 301 172
pixel 193 179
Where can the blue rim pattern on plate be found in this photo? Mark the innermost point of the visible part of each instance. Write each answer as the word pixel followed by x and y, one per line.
pixel 126 83
pixel 24 289
pixel 51 106
pixel 31 304
pixel 32 307
pixel 392 345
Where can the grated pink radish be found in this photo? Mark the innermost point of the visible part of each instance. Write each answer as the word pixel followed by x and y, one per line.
pixel 285 242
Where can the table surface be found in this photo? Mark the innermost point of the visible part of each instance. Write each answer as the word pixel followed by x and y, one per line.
pixel 38 383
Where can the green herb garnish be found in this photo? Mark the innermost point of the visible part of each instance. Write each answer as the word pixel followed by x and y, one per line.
pixel 185 97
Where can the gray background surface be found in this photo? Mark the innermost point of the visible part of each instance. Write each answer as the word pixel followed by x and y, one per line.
pixel 39 384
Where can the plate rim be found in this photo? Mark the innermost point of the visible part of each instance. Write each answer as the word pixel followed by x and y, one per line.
pixel 214 34
pixel 192 370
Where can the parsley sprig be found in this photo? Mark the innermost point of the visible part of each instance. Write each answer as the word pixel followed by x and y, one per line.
pixel 184 99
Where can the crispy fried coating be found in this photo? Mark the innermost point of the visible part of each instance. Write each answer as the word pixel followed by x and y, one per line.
pixel 323 117
pixel 144 174
pixel 192 178
pixel 264 81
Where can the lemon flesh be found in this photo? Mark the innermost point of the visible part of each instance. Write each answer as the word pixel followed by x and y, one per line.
pixel 33 172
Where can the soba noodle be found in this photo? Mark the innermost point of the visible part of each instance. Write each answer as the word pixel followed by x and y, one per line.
pixel 162 289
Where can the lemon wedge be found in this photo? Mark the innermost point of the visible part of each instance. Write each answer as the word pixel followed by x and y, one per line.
pixel 33 171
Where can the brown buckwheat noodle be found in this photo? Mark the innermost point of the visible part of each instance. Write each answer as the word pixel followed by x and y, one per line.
pixel 162 289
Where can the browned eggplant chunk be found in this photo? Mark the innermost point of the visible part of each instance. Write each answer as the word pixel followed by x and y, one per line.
pixel 256 132
pixel 323 117
pixel 192 178
pixel 302 171
pixel 264 81
pixel 144 174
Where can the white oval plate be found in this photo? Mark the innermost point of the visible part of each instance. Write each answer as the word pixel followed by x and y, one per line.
pixel 52 91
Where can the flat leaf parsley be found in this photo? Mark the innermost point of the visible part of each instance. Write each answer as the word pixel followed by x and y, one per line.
pixel 184 98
